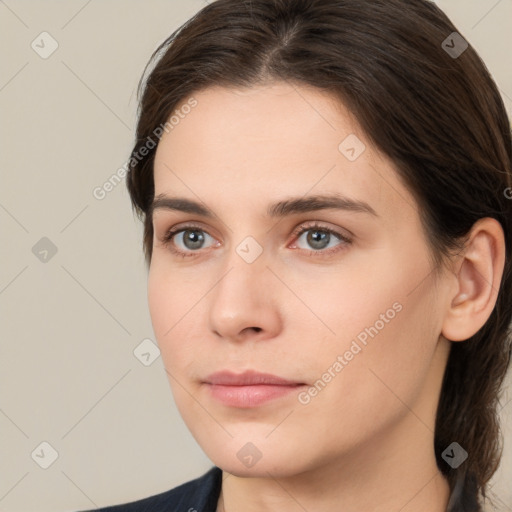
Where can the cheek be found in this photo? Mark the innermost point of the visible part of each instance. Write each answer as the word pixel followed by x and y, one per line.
pixel 393 367
pixel 160 298
pixel 166 310
pixel 384 325
pixel 173 307
pixel 170 297
pixel 381 379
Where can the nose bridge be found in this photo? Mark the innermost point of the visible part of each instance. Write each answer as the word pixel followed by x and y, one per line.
pixel 244 272
pixel 243 296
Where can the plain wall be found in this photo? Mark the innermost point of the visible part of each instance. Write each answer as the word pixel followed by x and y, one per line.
pixel 70 323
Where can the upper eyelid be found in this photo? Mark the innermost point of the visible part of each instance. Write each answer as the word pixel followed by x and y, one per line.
pixel 297 218
pixel 184 227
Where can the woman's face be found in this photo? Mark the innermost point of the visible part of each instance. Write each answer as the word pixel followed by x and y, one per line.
pixel 341 301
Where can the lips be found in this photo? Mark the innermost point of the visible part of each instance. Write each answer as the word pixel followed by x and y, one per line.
pixel 248 378
pixel 248 389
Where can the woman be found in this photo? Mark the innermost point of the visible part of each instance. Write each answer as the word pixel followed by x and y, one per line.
pixel 325 189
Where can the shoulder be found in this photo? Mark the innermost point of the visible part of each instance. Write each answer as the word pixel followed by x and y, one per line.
pixel 198 495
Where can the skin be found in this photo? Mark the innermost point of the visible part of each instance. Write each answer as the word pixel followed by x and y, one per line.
pixel 366 439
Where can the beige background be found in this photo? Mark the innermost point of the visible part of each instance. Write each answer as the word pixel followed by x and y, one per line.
pixel 70 325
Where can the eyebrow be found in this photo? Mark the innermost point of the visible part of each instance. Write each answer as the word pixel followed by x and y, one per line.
pixel 283 208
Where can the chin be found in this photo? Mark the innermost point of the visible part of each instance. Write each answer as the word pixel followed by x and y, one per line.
pixel 260 457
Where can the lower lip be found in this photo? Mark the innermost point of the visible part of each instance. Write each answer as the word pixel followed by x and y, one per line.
pixel 250 396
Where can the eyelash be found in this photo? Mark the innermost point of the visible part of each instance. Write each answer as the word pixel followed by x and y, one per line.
pixel 167 239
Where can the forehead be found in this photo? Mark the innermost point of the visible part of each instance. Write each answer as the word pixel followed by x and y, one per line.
pixel 273 141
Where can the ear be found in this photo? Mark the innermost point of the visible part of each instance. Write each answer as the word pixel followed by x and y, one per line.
pixel 478 276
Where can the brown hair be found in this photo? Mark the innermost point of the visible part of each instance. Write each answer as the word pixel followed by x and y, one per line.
pixel 437 115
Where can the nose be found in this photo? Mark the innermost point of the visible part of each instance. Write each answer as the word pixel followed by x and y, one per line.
pixel 244 304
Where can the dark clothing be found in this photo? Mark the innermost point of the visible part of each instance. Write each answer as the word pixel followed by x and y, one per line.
pixel 199 495
pixel 202 494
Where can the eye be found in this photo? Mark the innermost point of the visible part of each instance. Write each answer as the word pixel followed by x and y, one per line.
pixel 322 239
pixel 189 240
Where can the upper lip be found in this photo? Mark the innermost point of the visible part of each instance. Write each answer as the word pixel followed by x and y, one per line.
pixel 247 378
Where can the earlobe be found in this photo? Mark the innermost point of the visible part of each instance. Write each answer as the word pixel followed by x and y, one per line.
pixel 478 280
